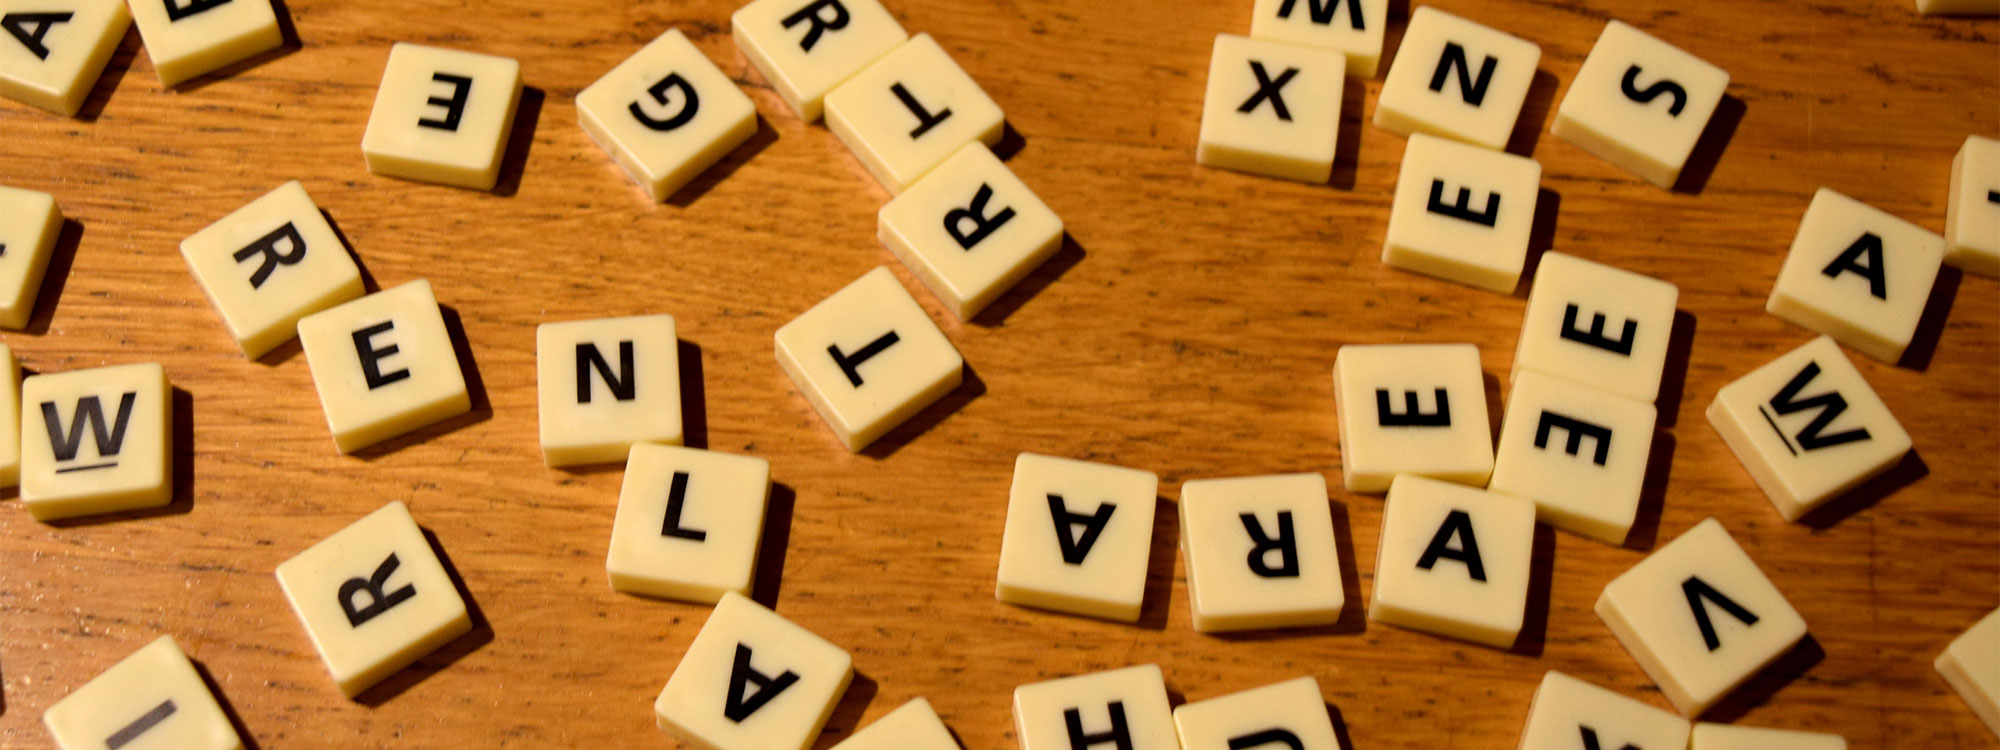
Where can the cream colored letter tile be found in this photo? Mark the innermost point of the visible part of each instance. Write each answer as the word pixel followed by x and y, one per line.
pixel 1725 737
pixel 1597 325
pixel 55 50
pixel 1272 108
pixel 970 230
pixel 868 358
pixel 1972 217
pixel 1260 553
pixel 910 110
pixel 1454 561
pixel 1078 537
pixel 1640 103
pixel 442 116
pixel 1463 214
pixel 688 523
pixel 10 418
pixel 1351 27
pixel 1807 427
pixel 666 113
pixel 1290 714
pixel 753 680
pixel 373 598
pixel 96 441
pixel 1971 664
pixel 1570 714
pixel 153 700
pixel 384 365
pixel 1411 409
pixel 915 726
pixel 27 239
pixel 191 38
pixel 270 263
pixel 1457 79
pixel 805 48
pixel 606 384
pixel 1858 274
pixel 1578 452
pixel 1126 708
pixel 1699 617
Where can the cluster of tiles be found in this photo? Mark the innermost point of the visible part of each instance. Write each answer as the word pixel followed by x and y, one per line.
pixel 1461 512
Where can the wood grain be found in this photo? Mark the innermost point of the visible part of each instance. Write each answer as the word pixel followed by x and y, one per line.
pixel 1189 329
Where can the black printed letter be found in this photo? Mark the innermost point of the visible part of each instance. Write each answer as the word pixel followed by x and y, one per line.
pixel 1462 210
pixel 1578 430
pixel 1267 737
pixel 267 246
pixel 454 107
pixel 623 383
pixel 1119 735
pixel 1830 405
pixel 371 357
pixel 140 726
pixel 690 103
pixel 1285 545
pixel 676 500
pixel 1595 336
pixel 1458 524
pixel 851 363
pixel 378 602
pixel 738 706
pixel 1590 740
pixel 818 24
pixel 1322 12
pixel 1268 88
pixel 1850 262
pixel 954 220
pixel 925 118
pixel 1411 416
pixel 1697 590
pixel 1075 548
pixel 177 11
pixel 1473 91
pixel 88 410
pixel 17 24
pixel 1659 88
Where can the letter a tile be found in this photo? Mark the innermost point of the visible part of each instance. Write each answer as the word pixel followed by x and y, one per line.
pixel 1078 536
pixel 753 680
pixel 374 598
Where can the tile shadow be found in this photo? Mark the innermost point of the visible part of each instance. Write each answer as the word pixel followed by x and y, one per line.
pixel 1541 238
pixel 520 139
pixel 1652 494
pixel 694 396
pixel 1541 576
pixel 1673 376
pixel 1758 691
pixel 773 544
pixel 290 43
pixel 228 709
pixel 1708 149
pixel 847 713
pixel 1347 142
pixel 108 81
pixel 1930 327
pixel 62 257
pixel 446 655
pixel 762 139
pixel 1906 472
pixel 1010 142
pixel 1166 543
pixel 970 388
pixel 1065 258
pixel 1534 114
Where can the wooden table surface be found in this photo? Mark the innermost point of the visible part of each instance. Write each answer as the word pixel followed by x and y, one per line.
pixel 1189 328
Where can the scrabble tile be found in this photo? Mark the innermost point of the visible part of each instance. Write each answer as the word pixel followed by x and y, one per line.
pixel 606 384
pixel 970 230
pixel 442 116
pixel 688 523
pixel 753 680
pixel 1454 561
pixel 1290 714
pixel 1640 103
pixel 1463 214
pixel 96 441
pixel 1725 737
pixel 1597 325
pixel 373 598
pixel 153 700
pixel 384 365
pixel 1126 708
pixel 1971 665
pixel 1699 617
pixel 1411 409
pixel 1578 452
pixel 915 726
pixel 1858 274
pixel 269 264
pixel 805 48
pixel 868 358
pixel 187 39
pixel 10 418
pixel 1272 108
pixel 1078 537
pixel 1972 216
pixel 29 225
pixel 666 114
pixel 1570 714
pixel 1807 427
pixel 1959 7
pixel 1351 27
pixel 909 111
pixel 1260 553
pixel 1457 79
pixel 55 50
